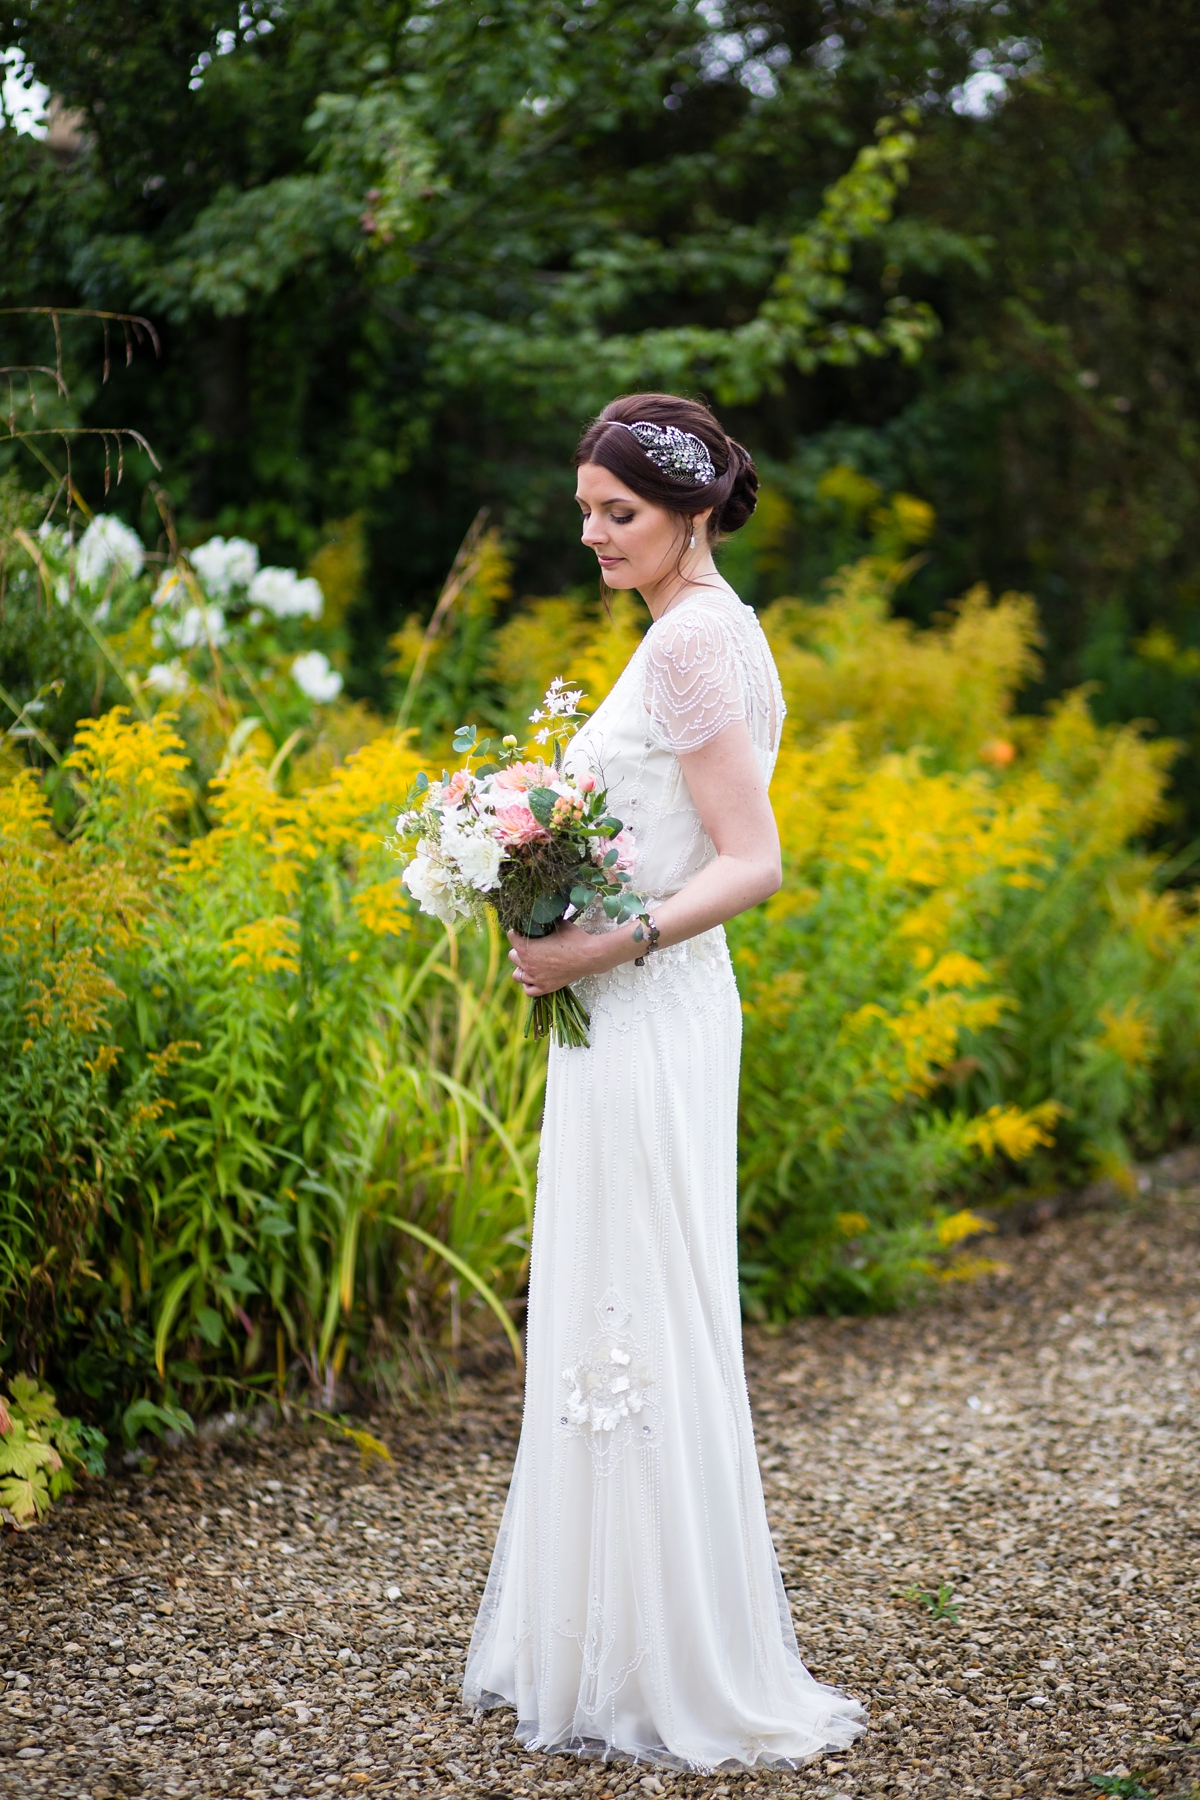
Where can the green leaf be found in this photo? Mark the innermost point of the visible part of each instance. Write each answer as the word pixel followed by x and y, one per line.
pixel 271 1225
pixel 612 906
pixel 610 857
pixel 548 907
pixel 464 739
pixel 147 1415
pixel 25 1499
pixel 210 1325
pixel 582 896
pixel 541 803
pixel 92 1447
pixel 23 1453
pixel 33 1402
pixel 166 1317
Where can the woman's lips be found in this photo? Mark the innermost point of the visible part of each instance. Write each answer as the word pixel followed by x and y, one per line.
pixel 609 562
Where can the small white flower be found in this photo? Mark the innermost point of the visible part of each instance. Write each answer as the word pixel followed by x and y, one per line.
pixel 169 679
pixel 196 625
pixel 171 587
pixel 315 676
pixel 281 591
pixel 223 564
pixel 618 1356
pixel 108 544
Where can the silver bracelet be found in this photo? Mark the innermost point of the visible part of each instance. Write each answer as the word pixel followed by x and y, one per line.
pixel 650 934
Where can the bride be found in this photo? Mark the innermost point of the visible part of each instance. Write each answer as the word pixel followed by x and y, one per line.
pixel 634 1605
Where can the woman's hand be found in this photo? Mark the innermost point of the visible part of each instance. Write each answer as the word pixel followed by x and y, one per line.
pixel 543 964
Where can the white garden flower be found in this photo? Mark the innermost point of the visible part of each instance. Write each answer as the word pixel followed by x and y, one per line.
pixel 168 679
pixel 171 587
pixel 196 625
pixel 478 856
pixel 315 676
pixel 281 591
pixel 225 563
pixel 431 885
pixel 108 544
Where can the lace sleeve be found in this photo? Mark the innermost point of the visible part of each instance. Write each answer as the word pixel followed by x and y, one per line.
pixel 693 680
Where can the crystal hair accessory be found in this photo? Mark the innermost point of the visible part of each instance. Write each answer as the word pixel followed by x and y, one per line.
pixel 680 454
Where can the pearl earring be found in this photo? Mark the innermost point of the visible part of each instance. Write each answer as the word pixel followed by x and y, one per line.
pixel 692 541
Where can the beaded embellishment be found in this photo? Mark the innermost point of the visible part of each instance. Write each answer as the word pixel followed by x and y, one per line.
pixel 680 454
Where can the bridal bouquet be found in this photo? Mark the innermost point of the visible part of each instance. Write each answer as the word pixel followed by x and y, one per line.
pixel 516 832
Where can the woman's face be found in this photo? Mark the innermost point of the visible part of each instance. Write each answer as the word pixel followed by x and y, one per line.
pixel 636 543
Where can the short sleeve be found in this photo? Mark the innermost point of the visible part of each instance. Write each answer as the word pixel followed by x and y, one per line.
pixel 694 679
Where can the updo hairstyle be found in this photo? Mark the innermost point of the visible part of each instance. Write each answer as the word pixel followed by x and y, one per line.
pixel 733 491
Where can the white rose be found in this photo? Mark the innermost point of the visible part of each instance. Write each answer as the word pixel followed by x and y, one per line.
pixel 431 887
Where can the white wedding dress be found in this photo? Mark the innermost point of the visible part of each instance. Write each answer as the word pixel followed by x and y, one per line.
pixel 635 1605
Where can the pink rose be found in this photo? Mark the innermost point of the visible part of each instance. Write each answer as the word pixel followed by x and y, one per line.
pixel 586 783
pixel 460 783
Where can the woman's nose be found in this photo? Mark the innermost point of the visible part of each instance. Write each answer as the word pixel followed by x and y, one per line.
pixel 593 532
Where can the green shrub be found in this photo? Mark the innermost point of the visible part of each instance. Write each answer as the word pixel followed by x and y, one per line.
pixel 41 1453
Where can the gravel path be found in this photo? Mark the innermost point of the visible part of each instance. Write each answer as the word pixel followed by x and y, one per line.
pixel 259 1616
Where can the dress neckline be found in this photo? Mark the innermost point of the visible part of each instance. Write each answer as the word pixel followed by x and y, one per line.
pixel 695 593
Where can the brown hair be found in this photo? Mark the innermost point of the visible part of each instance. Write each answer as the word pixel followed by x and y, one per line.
pixel 732 493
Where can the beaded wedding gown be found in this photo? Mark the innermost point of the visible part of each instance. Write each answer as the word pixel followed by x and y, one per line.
pixel 634 1605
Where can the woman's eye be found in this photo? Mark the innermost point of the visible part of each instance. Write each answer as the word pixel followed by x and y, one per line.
pixel 625 519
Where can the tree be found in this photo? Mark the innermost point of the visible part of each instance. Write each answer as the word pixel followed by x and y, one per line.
pixel 398 252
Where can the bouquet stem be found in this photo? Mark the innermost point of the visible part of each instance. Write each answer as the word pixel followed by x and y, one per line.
pixel 560 1015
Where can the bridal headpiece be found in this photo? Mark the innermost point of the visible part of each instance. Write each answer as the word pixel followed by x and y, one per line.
pixel 680 454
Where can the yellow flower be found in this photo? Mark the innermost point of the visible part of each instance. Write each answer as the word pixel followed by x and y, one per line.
pixel 76 996
pixel 1127 1035
pixel 381 909
pixel 956 970
pixel 960 1225
pixel 267 946
pixel 130 771
pixel 853 1224
pixel 1014 1132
